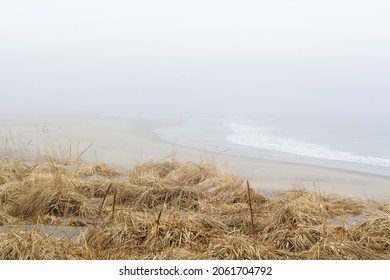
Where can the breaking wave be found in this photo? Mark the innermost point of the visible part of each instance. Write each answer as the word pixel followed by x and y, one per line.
pixel 262 138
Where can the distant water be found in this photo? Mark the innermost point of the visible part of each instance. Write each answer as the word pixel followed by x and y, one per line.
pixel 348 144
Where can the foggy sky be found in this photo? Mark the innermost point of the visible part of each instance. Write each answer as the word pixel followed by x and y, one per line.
pixel 198 57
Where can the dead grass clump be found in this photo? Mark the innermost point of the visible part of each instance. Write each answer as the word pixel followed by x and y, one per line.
pixel 101 169
pixel 192 174
pixel 12 169
pixel 337 206
pixel 230 189
pixel 373 234
pixel 153 169
pixel 7 190
pixel 303 207
pixel 93 187
pixel 49 195
pixel 43 201
pixel 175 254
pixel 336 250
pixel 3 180
pixel 210 223
pixel 182 197
pixel 234 216
pixel 5 218
pixel 290 239
pixel 294 215
pixel 18 245
pixel 154 233
pixel 171 173
pixel 295 221
pixel 153 183
pixel 239 247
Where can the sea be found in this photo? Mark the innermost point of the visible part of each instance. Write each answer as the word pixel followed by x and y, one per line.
pixel 361 145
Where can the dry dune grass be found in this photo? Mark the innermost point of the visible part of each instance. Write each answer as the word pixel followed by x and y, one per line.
pixel 174 210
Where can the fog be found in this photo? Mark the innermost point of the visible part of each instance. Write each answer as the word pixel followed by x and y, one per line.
pixel 202 58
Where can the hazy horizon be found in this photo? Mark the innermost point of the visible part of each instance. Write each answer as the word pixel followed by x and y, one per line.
pixel 201 58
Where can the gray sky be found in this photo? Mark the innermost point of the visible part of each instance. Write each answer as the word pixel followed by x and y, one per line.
pixel 195 57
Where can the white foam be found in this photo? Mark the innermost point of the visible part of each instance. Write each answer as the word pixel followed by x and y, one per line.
pixel 263 138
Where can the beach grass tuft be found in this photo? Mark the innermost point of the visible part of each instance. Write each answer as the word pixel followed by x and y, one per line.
pixel 66 208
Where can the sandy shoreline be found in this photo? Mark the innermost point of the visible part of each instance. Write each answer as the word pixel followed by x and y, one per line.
pixel 126 141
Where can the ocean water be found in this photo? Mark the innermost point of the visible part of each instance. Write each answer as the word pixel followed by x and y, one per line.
pixel 358 145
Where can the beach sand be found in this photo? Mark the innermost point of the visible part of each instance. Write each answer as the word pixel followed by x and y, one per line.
pixel 128 141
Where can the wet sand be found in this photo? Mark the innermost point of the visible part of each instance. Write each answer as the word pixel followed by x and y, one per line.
pixel 127 141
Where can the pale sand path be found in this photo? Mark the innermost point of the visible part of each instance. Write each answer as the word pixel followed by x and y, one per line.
pixel 125 142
